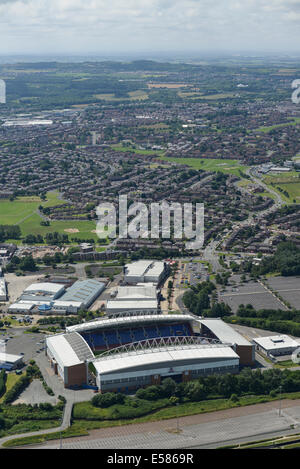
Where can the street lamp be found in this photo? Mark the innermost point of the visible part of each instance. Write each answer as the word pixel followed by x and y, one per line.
pixel 280 387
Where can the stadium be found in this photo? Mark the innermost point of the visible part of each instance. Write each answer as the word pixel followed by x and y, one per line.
pixel 134 350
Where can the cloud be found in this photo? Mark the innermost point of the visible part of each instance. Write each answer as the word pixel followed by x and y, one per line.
pixel 102 25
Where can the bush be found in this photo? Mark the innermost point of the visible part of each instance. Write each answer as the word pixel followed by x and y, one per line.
pixel 107 400
pixel 234 398
pixel 3 377
pixel 17 389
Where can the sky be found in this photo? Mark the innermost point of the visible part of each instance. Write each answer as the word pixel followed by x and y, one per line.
pixel 104 27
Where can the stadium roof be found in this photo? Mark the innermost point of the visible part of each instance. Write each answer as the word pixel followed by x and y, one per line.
pixel 224 332
pixel 69 349
pixel 128 321
pixel 171 354
pixel 276 342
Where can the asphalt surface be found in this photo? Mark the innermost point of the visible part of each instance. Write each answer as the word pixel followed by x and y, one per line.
pixel 198 431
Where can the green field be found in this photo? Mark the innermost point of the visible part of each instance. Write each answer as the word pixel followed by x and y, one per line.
pixel 224 166
pixel 136 150
pixel 23 212
pixel 289 182
pixel 12 213
pixel 293 121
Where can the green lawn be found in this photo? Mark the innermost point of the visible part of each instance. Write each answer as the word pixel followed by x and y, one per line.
pixel 289 182
pixel 293 121
pixel 136 150
pixel 12 213
pixel 23 212
pixel 12 378
pixel 32 225
pixel 209 164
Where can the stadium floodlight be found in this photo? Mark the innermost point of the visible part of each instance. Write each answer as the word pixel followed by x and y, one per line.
pixel 2 92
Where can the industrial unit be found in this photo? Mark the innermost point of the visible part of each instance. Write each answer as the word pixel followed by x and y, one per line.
pixel 142 297
pixel 145 271
pixel 52 298
pixel 84 292
pixel 276 345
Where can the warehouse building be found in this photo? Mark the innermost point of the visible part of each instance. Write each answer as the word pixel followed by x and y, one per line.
pixel 145 271
pixel 21 308
pixel 148 306
pixel 42 292
pixel 142 291
pixel 133 369
pixel 10 362
pixel 276 345
pixel 84 292
pixel 218 329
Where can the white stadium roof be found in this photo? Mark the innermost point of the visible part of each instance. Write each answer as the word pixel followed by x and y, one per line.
pixel 69 349
pixel 224 332
pixel 141 358
pixel 128 321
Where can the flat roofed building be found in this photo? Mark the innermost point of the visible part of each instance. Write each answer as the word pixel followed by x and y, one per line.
pixel 69 355
pixel 113 306
pixel 132 370
pixel 276 345
pixel 144 271
pixel 10 362
pixel 138 292
pixel 216 328
pixel 66 307
pixel 50 290
pixel 20 307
